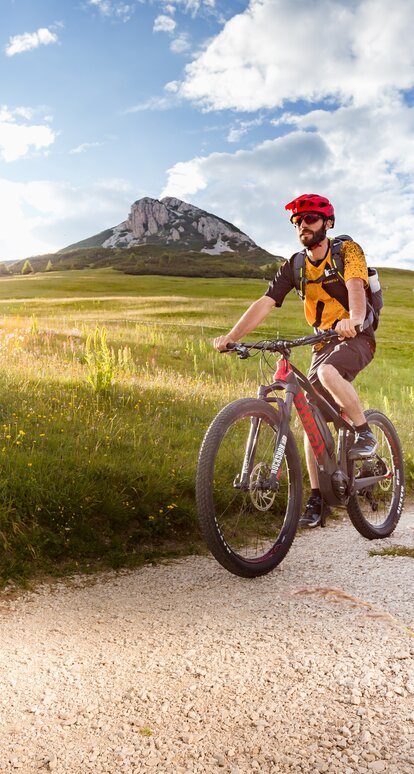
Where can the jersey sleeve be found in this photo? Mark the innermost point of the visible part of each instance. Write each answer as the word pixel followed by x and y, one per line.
pixel 282 283
pixel 355 265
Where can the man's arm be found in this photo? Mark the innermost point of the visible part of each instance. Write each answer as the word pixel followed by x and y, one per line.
pixel 357 308
pixel 250 320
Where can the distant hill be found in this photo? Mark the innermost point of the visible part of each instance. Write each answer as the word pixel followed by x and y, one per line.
pixel 166 236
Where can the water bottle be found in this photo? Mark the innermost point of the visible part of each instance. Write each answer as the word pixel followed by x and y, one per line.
pixel 374 282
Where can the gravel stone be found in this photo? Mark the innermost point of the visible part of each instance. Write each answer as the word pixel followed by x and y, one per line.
pixel 183 668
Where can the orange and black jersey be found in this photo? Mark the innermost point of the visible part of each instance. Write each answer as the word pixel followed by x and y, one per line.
pixel 325 302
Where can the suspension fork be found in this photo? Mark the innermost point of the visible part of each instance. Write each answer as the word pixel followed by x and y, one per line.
pixel 244 480
pixel 285 411
pixel 285 408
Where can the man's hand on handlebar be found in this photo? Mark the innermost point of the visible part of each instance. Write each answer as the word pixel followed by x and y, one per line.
pixel 220 343
pixel 347 329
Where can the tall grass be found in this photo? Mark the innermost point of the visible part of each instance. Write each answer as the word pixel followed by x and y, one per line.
pixel 104 403
pixel 100 360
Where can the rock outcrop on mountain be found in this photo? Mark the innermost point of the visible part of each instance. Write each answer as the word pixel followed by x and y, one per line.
pixel 175 224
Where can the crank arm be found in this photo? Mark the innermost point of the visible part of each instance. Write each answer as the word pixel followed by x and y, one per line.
pixel 364 483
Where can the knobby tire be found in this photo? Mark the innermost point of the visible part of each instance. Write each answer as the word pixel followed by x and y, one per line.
pixel 376 511
pixel 248 532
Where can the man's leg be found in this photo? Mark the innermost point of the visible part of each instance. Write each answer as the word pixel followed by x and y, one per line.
pixel 344 394
pixel 342 391
pixel 313 510
pixel 348 359
pixel 312 514
pixel 311 463
pixel 315 507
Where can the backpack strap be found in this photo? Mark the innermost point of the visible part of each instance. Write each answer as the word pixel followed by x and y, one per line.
pixel 336 267
pixel 301 262
pixel 369 320
pixel 336 257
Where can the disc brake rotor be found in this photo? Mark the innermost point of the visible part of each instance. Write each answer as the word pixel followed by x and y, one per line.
pixel 381 469
pixel 262 499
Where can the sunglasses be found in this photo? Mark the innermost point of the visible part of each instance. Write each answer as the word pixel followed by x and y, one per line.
pixel 310 218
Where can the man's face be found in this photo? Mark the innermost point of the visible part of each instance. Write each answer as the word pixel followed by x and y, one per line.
pixel 311 233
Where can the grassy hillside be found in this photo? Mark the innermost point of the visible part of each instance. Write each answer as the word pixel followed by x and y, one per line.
pixel 151 259
pixel 95 477
pixel 93 241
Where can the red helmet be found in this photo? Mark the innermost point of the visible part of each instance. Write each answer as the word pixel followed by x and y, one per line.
pixel 311 203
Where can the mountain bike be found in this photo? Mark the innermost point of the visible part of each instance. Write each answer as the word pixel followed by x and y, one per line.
pixel 249 474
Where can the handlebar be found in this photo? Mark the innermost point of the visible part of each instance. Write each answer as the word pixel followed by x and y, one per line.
pixel 281 345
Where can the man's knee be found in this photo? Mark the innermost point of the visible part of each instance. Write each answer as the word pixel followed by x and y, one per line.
pixel 328 375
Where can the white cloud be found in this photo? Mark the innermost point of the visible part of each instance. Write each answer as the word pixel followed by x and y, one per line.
pixel 28 40
pixel 361 158
pixel 18 139
pixel 111 8
pixel 241 128
pixel 173 87
pixel 164 23
pixel 357 61
pixel 274 52
pixel 105 6
pixel 85 146
pixel 181 44
pixel 190 6
pixel 42 216
pixel 153 103
pixel 23 112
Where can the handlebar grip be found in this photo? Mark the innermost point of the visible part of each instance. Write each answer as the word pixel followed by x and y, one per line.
pixel 360 328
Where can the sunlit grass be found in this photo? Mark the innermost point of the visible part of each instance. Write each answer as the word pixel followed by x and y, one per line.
pixel 93 476
pixel 394 551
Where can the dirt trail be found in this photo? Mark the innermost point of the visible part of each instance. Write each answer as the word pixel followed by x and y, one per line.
pixel 185 668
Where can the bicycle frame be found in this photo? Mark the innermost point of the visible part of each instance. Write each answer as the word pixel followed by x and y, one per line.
pixel 335 473
pixel 334 481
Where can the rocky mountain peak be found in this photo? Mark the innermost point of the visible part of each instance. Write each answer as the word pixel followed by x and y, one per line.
pixel 173 222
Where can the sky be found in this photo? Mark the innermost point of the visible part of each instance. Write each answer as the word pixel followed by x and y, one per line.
pixel 233 106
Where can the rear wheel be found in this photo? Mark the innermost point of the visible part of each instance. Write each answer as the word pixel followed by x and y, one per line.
pixel 376 510
pixel 247 526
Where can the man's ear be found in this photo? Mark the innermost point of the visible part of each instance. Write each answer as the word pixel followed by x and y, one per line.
pixel 329 223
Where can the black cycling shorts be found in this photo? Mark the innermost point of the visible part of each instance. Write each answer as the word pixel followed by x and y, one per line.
pixel 349 357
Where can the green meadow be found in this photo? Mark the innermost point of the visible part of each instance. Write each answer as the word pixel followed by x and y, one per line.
pixel 108 383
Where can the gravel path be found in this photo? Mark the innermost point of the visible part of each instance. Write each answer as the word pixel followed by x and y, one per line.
pixel 185 668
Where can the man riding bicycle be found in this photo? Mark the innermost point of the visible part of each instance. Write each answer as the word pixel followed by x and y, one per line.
pixel 329 302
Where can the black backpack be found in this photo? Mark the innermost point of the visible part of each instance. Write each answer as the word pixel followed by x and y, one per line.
pixel 374 292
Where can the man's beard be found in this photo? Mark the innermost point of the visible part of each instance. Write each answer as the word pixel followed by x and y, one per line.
pixel 310 239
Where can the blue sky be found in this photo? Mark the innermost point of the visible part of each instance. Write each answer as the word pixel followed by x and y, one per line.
pixel 234 106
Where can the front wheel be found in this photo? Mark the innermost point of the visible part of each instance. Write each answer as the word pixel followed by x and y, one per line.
pixel 376 510
pixel 248 526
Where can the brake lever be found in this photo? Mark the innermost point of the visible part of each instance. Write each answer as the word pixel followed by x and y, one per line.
pixel 242 352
